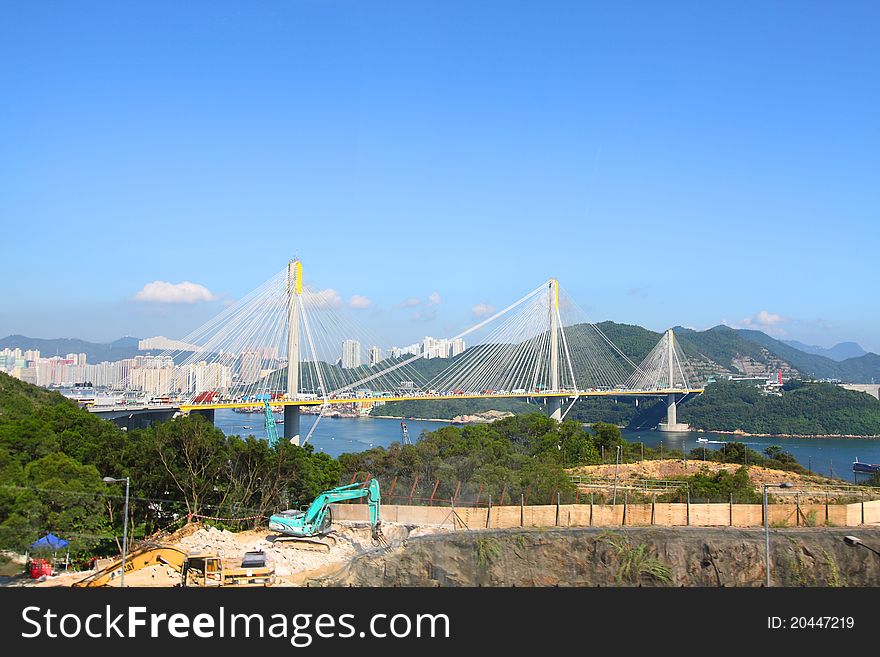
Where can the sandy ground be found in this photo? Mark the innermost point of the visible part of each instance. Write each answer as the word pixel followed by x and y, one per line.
pixel 292 565
pixel 672 468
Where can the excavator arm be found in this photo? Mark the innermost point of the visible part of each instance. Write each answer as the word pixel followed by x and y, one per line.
pixel 149 555
pixel 312 522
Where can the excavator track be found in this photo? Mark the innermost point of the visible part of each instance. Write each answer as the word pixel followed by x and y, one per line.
pixel 313 544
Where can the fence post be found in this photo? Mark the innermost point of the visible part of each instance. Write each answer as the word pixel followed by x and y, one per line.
pixel 826 508
pixel 797 505
pixel 625 500
pixel 591 509
pixel 731 509
pixel 522 510
pixel 391 492
pixel 653 505
pixel 452 512
pixel 863 507
pixel 557 508
pixel 489 512
pixel 413 489
pixel 689 507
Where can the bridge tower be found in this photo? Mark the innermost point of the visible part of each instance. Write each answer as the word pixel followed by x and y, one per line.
pixel 672 424
pixel 554 404
pixel 294 294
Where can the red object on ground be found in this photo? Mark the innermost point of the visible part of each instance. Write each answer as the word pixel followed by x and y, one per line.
pixel 39 567
pixel 204 397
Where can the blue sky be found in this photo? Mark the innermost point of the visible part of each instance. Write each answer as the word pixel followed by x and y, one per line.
pixel 671 163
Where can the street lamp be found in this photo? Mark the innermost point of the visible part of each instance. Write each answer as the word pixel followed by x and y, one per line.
pixel 767 528
pixel 111 480
pixel 855 541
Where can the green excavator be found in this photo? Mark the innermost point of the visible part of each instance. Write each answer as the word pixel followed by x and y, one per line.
pixel 311 528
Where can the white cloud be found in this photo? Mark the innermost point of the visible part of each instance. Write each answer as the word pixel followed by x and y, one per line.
pixel 482 310
pixel 765 321
pixel 412 302
pixel 328 297
pixel 358 301
pixel 165 292
pixel 434 298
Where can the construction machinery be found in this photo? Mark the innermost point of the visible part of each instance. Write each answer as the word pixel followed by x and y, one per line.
pixel 271 426
pixel 196 569
pixel 310 529
pixel 207 569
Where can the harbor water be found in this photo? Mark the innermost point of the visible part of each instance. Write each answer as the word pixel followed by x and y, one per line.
pixel 335 436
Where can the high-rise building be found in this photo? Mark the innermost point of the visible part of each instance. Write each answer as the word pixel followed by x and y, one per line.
pixel 433 348
pixel 351 354
pixel 397 352
pixel 375 355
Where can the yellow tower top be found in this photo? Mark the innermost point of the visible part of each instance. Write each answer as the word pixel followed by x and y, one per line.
pixel 298 275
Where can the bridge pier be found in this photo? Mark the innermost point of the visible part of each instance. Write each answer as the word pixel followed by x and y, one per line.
pixel 554 408
pixel 672 424
pixel 291 424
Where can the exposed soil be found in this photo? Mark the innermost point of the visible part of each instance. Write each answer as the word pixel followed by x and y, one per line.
pixel 650 556
pixel 674 468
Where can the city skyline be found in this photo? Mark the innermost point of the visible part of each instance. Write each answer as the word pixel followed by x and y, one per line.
pixel 432 169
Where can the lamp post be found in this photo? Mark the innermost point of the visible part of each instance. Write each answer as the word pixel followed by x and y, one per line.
pixel 855 541
pixel 111 480
pixel 767 528
pixel 616 468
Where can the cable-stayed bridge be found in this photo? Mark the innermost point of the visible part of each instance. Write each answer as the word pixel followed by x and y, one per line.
pixel 293 345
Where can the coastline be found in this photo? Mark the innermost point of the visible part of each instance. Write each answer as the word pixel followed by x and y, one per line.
pixel 404 419
pixel 740 432
pixel 737 432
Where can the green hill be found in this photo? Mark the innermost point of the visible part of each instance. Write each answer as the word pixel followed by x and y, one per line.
pixel 803 409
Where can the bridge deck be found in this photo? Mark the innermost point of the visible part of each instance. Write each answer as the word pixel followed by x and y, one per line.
pixel 529 395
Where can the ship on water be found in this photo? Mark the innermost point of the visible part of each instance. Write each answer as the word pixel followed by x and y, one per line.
pixel 858 466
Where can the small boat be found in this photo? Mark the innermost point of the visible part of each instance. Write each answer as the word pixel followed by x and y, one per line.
pixel 702 440
pixel 865 467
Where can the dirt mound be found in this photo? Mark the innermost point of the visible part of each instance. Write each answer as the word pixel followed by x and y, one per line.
pixel 675 468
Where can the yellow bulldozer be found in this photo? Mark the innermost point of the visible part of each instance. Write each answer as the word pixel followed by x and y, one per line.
pixel 205 569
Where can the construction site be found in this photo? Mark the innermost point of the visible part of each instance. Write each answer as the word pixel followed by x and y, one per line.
pixel 346 537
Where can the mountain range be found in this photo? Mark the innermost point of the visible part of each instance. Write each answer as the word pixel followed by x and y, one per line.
pixel 839 352
pixel 719 351
pixel 95 352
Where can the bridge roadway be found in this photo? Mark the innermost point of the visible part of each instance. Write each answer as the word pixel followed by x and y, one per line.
pixel 426 397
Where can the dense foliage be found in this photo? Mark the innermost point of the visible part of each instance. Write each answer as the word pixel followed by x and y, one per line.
pixel 521 455
pixel 804 409
pixel 53 456
pixel 720 486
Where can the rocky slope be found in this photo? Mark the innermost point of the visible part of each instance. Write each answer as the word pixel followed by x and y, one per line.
pixel 622 557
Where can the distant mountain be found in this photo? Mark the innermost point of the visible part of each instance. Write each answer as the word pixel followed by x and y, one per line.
pixel 95 352
pixel 838 352
pixel 722 351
